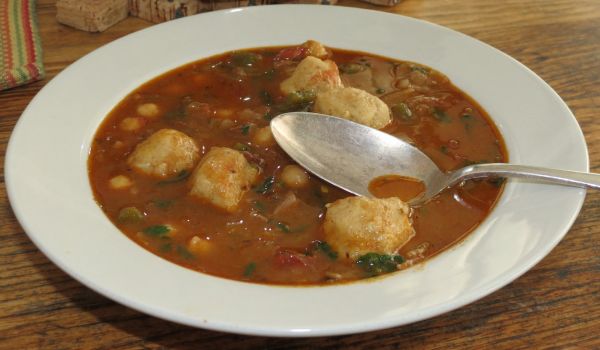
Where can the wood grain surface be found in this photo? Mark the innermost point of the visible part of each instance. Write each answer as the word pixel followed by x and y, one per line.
pixel 556 305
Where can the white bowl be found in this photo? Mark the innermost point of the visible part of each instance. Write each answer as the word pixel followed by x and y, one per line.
pixel 47 181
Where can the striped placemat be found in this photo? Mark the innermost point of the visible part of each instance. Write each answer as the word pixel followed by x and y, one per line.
pixel 20 47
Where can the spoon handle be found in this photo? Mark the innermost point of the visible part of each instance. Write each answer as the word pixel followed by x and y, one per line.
pixel 563 177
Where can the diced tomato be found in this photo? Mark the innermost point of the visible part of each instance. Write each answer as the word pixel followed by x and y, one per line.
pixel 286 258
pixel 295 53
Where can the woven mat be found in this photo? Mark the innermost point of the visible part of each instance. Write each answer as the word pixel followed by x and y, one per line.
pixel 20 48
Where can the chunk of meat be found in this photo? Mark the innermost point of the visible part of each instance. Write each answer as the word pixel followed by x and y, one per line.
pixel 165 153
pixel 355 226
pixel 353 104
pixel 312 74
pixel 297 53
pixel 222 178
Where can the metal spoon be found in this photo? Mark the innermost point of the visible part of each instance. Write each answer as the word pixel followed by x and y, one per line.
pixel 350 155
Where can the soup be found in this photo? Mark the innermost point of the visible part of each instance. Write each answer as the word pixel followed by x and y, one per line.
pixel 186 166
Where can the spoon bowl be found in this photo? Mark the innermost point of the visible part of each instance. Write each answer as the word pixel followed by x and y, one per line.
pixel 350 155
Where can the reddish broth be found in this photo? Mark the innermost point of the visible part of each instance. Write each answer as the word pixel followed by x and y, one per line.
pixel 276 235
pixel 405 188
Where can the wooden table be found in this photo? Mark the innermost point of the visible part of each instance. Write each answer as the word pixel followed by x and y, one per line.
pixel 555 305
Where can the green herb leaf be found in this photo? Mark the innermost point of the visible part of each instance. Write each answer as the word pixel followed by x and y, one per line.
pixel 183 252
pixel 467 120
pixel 130 215
pixel 245 59
pixel 163 203
pixel 157 230
pixel 440 115
pixel 326 249
pixel 402 111
pixel 165 248
pixel 419 69
pixel 184 174
pixel 266 97
pixel 444 149
pixel 265 186
pixel 297 101
pixel 380 91
pixel 259 206
pixel 249 270
pixel 245 129
pixel 270 74
pixel 351 68
pixel 376 264
pixel 178 113
pixel 241 147
pixel 283 227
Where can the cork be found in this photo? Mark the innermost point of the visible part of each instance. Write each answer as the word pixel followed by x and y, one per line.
pixel 91 15
pixel 162 10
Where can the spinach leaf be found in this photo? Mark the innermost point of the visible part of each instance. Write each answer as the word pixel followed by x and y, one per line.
pixel 266 186
pixel 184 174
pixel 266 97
pixel 157 230
pixel 419 69
pixel 184 253
pixel 402 111
pixel 163 203
pixel 249 270
pixel 245 129
pixel 283 227
pixel 326 249
pixel 130 215
pixel 245 59
pixel 165 248
pixel 259 206
pixel 351 68
pixel 242 147
pixel 376 264
pixel 297 101
pixel 441 116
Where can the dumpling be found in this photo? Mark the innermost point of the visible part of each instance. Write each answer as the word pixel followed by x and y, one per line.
pixel 312 74
pixel 165 153
pixel 353 104
pixel 355 226
pixel 222 178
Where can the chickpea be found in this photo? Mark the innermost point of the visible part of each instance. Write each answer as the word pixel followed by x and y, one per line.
pixel 199 246
pixel 294 177
pixel 264 137
pixel 120 182
pixel 131 124
pixel 227 124
pixel 148 110
pixel 224 113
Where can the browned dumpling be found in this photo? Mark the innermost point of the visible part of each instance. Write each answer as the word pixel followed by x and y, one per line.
pixel 316 49
pixel 355 226
pixel 312 74
pixel 353 104
pixel 165 153
pixel 222 178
